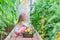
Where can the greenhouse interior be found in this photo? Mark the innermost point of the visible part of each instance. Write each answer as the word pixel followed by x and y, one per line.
pixel 29 19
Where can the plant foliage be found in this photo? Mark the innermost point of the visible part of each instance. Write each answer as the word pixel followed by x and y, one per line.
pixel 45 17
pixel 7 14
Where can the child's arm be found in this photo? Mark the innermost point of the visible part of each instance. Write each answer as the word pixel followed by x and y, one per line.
pixel 22 29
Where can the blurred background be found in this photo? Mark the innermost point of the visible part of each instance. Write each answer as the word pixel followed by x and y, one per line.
pixel 44 16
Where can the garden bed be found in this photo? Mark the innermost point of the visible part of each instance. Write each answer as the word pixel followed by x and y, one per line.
pixel 7 30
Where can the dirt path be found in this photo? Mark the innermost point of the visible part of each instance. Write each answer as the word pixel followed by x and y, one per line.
pixel 12 36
